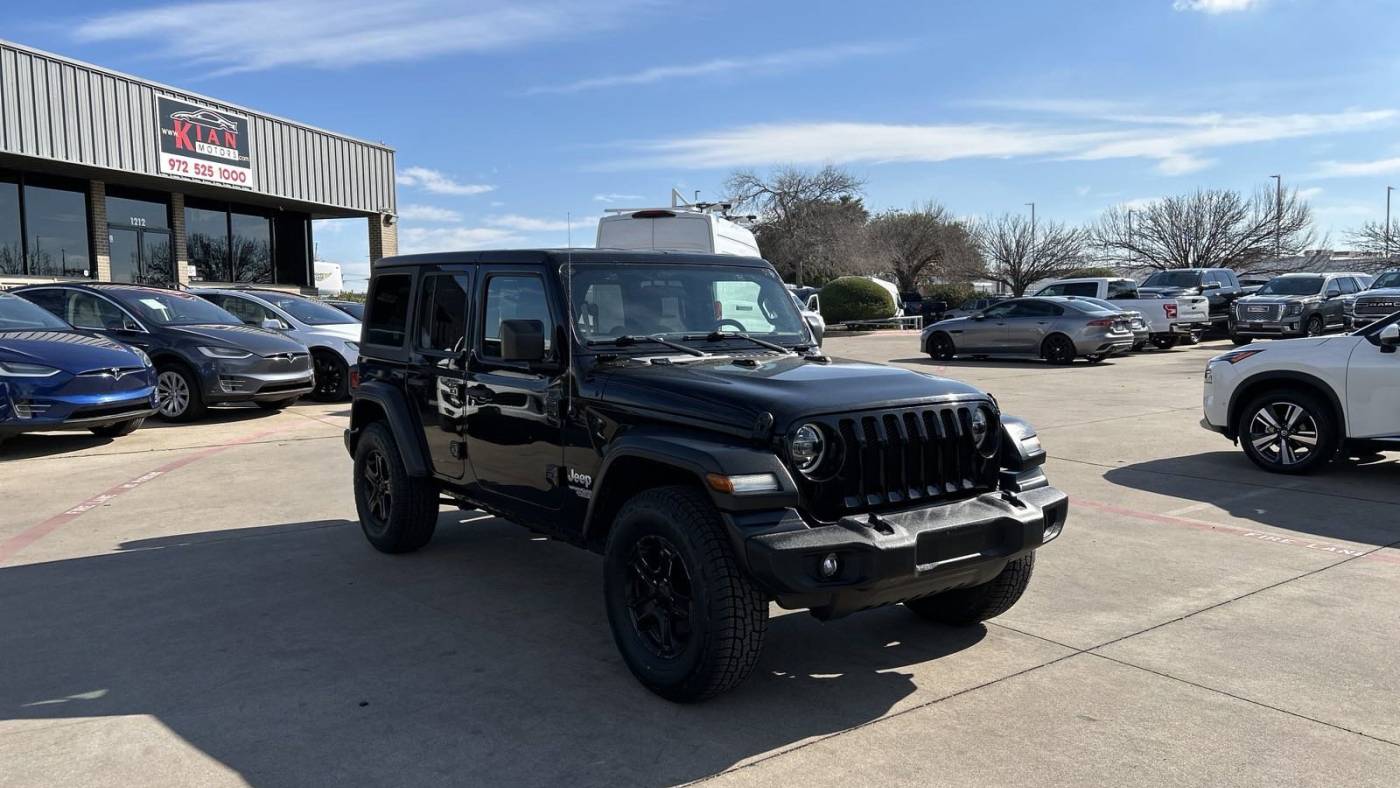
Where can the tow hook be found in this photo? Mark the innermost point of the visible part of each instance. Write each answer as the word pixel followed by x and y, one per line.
pixel 878 524
pixel 1010 497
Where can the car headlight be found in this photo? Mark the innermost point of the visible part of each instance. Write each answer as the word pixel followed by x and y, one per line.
pixel 141 354
pixel 14 369
pixel 1293 310
pixel 223 352
pixel 806 447
pixel 984 432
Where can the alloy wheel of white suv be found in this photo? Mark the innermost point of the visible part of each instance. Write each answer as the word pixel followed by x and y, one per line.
pixel 1288 431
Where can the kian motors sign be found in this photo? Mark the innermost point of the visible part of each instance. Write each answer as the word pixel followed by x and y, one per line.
pixel 199 142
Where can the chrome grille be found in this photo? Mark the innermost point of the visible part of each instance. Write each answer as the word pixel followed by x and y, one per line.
pixel 1377 306
pixel 1259 312
pixel 900 458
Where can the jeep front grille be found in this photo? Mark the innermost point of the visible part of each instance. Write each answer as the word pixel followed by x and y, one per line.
pixel 900 458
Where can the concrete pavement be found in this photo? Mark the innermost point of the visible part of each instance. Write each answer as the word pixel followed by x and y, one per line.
pixel 195 605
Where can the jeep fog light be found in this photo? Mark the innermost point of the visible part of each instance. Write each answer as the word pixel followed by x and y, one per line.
pixel 830 566
pixel 743 484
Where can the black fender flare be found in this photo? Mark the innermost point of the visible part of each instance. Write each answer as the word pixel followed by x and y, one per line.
pixel 401 423
pixel 1237 402
pixel 695 456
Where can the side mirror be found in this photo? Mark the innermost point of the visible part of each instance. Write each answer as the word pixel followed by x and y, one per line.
pixel 1390 338
pixel 271 324
pixel 522 340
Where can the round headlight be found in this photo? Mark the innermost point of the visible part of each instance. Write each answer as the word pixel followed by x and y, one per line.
pixel 983 432
pixel 806 447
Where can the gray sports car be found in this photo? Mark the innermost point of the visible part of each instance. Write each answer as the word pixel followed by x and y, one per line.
pixel 1058 330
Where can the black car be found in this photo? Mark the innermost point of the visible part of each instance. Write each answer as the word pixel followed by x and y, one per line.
pixel 1295 305
pixel 672 412
pixel 1220 286
pixel 355 309
pixel 203 354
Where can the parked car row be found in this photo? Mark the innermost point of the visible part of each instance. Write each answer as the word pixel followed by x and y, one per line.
pixel 81 355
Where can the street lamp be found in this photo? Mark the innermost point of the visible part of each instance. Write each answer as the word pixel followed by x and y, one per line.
pixel 1032 250
pixel 1132 253
pixel 1388 190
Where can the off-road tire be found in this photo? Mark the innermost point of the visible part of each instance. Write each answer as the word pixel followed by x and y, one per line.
pixel 1058 349
pixel 409 516
pixel 117 430
pixel 1329 437
pixel 966 606
pixel 1165 343
pixel 728 614
pixel 941 347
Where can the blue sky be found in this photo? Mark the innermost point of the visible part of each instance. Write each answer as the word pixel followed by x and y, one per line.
pixel 507 117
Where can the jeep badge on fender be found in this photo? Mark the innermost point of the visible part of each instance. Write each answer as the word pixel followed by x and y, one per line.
pixel 673 412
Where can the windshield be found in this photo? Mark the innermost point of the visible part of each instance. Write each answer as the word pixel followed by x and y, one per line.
pixel 173 308
pixel 16 314
pixel 1388 279
pixel 1292 285
pixel 1174 279
pixel 312 313
pixel 610 301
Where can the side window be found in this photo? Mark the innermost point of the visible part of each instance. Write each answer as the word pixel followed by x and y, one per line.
pixel 442 313
pixel 54 301
pixel 386 316
pixel 245 309
pixel 513 297
pixel 1034 309
pixel 86 310
pixel 1213 278
pixel 1117 290
pixel 1348 285
pixel 1333 289
pixel 1001 310
pixel 1053 290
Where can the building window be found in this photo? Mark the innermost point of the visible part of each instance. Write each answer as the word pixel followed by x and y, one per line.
pixel 236 244
pixel 252 248
pixel 11 238
pixel 206 233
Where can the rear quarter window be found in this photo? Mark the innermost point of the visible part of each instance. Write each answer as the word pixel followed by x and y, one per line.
pixel 386 313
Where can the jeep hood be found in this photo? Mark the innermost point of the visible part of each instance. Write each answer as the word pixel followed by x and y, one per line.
pixel 789 387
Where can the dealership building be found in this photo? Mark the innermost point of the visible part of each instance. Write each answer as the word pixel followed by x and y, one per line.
pixel 106 177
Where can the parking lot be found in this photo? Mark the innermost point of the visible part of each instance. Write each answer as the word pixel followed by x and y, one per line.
pixel 196 605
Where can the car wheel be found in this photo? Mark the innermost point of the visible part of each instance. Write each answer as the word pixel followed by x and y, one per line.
pixel 398 512
pixel 178 397
pixel 1165 342
pixel 332 377
pixel 688 621
pixel 1315 326
pixel 1239 340
pixel 117 430
pixel 1289 431
pixel 940 347
pixel 965 606
pixel 1058 349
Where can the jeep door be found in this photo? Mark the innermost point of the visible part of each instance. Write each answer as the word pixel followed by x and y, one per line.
pixel 514 433
pixel 437 378
pixel 1373 390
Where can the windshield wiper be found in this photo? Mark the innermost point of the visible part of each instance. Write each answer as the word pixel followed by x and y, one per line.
pixel 630 339
pixel 715 336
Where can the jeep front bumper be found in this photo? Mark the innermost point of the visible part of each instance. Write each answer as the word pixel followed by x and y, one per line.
pixel 890 558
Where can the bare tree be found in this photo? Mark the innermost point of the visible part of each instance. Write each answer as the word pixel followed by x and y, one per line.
pixel 1018 254
pixel 1213 228
pixel 919 245
pixel 805 218
pixel 1371 238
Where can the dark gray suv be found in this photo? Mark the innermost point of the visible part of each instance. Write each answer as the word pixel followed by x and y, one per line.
pixel 1295 305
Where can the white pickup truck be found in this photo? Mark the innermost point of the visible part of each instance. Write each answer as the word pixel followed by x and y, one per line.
pixel 1169 320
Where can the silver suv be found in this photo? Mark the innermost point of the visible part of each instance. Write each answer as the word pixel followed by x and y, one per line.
pixel 332 335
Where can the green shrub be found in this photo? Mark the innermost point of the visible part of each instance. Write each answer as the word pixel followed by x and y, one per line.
pixel 855 298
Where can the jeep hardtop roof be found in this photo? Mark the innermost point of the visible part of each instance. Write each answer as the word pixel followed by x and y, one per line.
pixel 547 256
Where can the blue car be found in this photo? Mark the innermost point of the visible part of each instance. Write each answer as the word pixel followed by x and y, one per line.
pixel 54 377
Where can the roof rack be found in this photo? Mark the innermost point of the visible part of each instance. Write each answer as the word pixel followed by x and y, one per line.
pixel 680 205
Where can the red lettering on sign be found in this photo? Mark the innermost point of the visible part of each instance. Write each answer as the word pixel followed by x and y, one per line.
pixel 230 140
pixel 182 135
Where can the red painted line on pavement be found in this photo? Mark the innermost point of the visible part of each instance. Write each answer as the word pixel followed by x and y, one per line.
pixel 1386 556
pixel 34 533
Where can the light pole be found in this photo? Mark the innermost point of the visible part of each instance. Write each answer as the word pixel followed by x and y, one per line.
pixel 1132 252
pixel 1388 190
pixel 1032 250
pixel 1278 218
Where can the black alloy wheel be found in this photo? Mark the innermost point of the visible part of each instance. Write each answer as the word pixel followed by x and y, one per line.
pixel 1058 349
pixel 940 347
pixel 332 377
pixel 374 480
pixel 1288 432
pixel 1315 326
pixel 398 512
pixel 660 603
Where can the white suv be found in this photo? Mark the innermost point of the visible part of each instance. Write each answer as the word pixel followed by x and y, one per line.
pixel 1294 404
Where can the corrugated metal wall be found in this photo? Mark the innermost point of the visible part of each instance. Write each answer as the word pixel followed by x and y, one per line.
pixel 66 111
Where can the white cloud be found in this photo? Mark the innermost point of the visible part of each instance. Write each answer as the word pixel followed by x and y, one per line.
pixel 1139 203
pixel 232 36
pixel 616 197
pixel 1358 169
pixel 1309 192
pixel 428 213
pixel 413 240
pixel 747 66
pixel 1216 6
pixel 530 224
pixel 1174 147
pixel 438 183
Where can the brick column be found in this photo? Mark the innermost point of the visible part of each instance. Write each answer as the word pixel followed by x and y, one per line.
pixel 179 250
pixel 383 237
pixel 98 237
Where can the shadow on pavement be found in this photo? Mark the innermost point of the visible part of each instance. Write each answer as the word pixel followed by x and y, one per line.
pixel 1008 362
pixel 35 445
pixel 1354 499
pixel 296 655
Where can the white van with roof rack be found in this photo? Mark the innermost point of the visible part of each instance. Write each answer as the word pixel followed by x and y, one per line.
pixel 682 227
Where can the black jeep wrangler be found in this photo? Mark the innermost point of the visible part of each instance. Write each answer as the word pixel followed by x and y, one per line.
pixel 672 412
